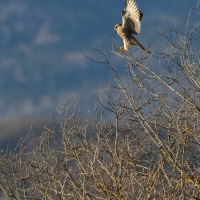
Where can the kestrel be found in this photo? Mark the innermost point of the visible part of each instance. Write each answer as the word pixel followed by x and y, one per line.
pixel 131 23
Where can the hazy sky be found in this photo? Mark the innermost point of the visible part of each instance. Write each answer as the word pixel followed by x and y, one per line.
pixel 41 63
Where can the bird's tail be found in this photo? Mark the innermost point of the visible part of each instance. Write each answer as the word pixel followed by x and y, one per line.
pixel 136 43
pixel 146 50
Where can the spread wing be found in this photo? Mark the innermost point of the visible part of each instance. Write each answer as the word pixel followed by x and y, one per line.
pixel 131 17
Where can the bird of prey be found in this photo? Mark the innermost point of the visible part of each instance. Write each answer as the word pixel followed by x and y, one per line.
pixel 131 23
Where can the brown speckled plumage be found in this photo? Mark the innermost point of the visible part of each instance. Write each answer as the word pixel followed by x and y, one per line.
pixel 131 22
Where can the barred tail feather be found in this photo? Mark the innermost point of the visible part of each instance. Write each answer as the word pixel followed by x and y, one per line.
pixel 136 43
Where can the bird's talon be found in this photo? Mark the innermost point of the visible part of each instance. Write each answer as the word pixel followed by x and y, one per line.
pixel 121 50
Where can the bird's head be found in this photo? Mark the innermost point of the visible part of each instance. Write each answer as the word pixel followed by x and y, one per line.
pixel 116 26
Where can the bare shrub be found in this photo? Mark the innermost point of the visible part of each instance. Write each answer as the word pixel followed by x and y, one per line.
pixel 149 149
